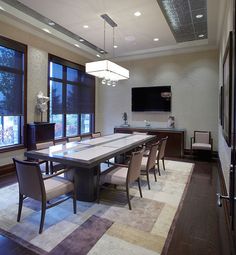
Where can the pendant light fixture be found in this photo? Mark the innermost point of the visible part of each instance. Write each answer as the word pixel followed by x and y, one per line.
pixel 105 69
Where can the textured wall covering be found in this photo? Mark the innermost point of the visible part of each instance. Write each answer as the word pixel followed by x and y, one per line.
pixel 194 83
pixel 37 80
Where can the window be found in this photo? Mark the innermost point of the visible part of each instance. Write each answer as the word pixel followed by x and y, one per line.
pixel 12 92
pixel 72 98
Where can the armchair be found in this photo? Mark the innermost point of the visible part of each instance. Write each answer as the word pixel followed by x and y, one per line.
pixel 33 185
pixel 201 141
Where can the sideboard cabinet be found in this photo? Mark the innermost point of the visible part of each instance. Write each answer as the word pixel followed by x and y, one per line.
pixel 39 132
pixel 176 137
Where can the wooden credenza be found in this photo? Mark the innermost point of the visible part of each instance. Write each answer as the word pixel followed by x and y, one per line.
pixel 176 137
pixel 39 132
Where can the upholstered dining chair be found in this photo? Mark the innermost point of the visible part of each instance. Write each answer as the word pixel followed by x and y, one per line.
pixel 41 146
pixel 33 185
pixel 96 135
pixel 149 162
pixel 74 139
pixel 201 141
pixel 123 175
pixel 161 153
pixel 60 141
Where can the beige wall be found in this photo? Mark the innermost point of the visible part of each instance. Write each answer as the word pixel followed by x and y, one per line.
pixel 224 150
pixel 37 76
pixel 194 82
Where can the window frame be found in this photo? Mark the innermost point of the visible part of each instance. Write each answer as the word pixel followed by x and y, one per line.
pixel 66 63
pixel 17 46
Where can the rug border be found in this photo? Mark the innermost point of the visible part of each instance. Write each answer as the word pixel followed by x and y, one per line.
pixel 23 242
pixel 179 209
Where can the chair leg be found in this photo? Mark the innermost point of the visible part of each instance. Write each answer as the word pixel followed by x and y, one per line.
pixel 21 198
pixel 163 162
pixel 158 168
pixel 128 198
pixel 155 175
pixel 47 168
pixel 147 173
pixel 98 186
pixel 74 202
pixel 139 187
pixel 43 212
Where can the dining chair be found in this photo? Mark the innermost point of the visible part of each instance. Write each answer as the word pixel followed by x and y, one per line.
pixel 44 189
pixel 41 146
pixel 123 175
pixel 60 141
pixel 149 163
pixel 96 135
pixel 74 139
pixel 161 153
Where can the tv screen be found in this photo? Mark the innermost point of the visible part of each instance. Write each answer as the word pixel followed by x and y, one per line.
pixel 151 99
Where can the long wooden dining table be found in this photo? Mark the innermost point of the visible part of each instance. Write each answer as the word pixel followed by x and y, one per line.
pixel 86 156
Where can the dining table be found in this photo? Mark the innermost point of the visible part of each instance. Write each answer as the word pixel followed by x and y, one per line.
pixel 85 157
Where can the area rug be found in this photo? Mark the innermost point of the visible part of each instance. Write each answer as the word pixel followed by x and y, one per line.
pixel 105 228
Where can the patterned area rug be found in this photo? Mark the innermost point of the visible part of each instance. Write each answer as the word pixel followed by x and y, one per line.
pixel 105 228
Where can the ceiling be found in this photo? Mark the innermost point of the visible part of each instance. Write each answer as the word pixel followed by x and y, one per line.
pixel 133 35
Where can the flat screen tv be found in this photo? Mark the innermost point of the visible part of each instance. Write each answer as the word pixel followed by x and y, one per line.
pixel 157 98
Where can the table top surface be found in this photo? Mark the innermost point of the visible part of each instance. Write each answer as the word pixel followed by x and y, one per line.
pixel 89 153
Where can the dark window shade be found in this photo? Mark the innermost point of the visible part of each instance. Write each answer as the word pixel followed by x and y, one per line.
pixel 56 98
pixel 87 94
pixel 11 96
pixel 72 99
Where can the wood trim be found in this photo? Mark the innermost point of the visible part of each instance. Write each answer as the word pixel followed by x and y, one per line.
pixel 7 169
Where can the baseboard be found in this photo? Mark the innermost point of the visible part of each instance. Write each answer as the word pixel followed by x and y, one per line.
pixel 189 152
pixel 7 169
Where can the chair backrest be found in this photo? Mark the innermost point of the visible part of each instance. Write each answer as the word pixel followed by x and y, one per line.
pixel 152 156
pixel 60 141
pixel 30 179
pixel 202 137
pixel 139 133
pixel 96 135
pixel 162 148
pixel 44 145
pixel 74 139
pixel 134 169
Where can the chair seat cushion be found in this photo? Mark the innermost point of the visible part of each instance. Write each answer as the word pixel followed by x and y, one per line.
pixel 115 176
pixel 57 186
pixel 201 146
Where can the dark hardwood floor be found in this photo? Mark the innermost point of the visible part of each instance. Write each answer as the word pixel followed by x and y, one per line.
pixel 200 228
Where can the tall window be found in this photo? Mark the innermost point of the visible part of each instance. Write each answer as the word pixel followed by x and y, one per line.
pixel 12 87
pixel 72 98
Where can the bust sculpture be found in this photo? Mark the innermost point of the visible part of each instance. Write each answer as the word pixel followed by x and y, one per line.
pixel 41 103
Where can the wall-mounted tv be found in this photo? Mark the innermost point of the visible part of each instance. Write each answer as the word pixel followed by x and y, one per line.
pixel 156 98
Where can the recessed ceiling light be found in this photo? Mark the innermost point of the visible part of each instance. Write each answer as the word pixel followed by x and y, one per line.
pixel 199 16
pixel 98 55
pixel 137 14
pixel 77 45
pixel 81 40
pixel 156 39
pixel 200 36
pixel 102 51
pixel 46 30
pixel 85 26
pixel 115 46
pixel 2 9
pixel 51 23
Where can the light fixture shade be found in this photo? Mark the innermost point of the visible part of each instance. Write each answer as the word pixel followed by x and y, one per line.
pixel 107 69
